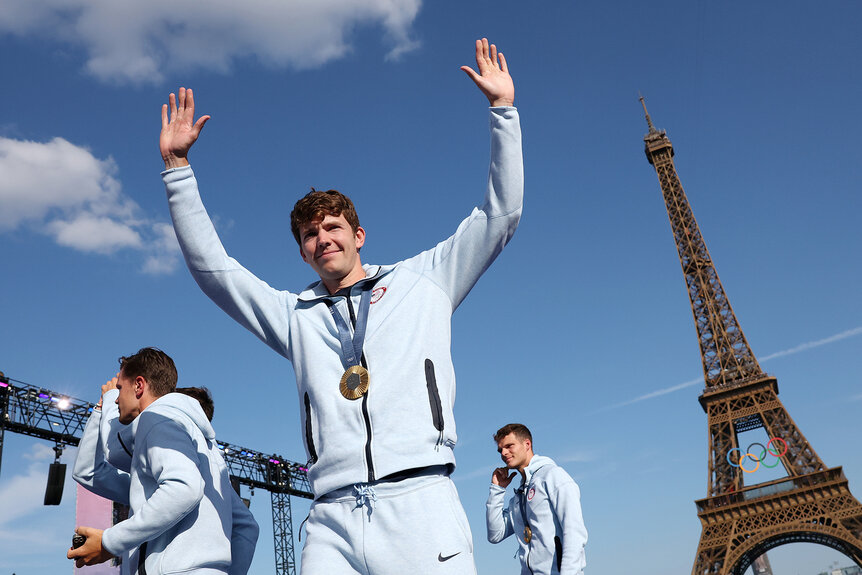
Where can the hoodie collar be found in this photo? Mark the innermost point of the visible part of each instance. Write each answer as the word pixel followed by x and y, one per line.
pixel 318 292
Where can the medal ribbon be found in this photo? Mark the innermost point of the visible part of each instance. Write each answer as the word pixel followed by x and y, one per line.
pixel 351 347
pixel 522 501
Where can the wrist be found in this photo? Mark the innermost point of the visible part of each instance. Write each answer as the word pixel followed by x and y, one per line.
pixel 172 161
pixel 502 102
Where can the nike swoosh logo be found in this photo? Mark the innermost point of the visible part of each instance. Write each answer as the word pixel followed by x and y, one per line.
pixel 441 559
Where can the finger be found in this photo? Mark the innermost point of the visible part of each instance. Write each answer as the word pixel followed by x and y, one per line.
pixel 512 476
pixel 164 116
pixel 478 52
pixel 494 56
pixel 199 125
pixel 79 563
pixel 173 102
pixel 485 49
pixel 190 103
pixel 472 73
pixel 503 66
pixel 181 105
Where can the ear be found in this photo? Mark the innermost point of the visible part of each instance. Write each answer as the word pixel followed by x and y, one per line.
pixel 141 385
pixel 360 237
pixel 529 444
pixel 302 254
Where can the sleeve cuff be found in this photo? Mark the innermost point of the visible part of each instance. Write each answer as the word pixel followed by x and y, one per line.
pixel 176 174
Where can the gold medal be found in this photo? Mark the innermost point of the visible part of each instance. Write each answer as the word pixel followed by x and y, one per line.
pixel 528 533
pixel 354 382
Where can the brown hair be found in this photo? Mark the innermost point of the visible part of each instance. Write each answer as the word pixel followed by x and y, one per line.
pixel 316 205
pixel 155 366
pixel 520 431
pixel 203 396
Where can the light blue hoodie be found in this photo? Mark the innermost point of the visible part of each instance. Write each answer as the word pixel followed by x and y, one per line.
pixel 184 511
pixel 405 421
pixel 551 499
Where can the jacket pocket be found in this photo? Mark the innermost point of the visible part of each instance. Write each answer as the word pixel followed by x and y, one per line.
pixel 434 396
pixel 309 437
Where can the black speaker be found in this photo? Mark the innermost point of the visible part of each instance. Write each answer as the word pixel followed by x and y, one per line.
pixel 54 489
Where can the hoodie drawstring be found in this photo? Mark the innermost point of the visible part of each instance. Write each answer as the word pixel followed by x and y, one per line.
pixel 365 497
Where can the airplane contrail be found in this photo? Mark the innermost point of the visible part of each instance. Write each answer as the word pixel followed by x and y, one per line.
pixel 792 351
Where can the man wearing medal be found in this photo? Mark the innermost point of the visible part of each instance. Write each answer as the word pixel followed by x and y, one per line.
pixel 370 346
pixel 544 514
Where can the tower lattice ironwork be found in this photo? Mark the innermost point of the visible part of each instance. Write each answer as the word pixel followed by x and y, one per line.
pixel 741 522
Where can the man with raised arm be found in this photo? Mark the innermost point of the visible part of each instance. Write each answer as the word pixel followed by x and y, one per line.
pixel 370 346
pixel 544 515
pixel 165 464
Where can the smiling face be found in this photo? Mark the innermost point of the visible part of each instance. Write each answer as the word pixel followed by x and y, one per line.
pixel 515 452
pixel 331 248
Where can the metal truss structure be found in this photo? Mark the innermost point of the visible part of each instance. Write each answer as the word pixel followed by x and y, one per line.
pixel 51 416
pixel 740 523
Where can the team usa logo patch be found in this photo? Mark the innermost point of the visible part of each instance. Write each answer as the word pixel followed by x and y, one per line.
pixel 531 493
pixel 377 294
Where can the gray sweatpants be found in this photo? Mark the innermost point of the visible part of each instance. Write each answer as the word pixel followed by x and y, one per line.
pixel 415 525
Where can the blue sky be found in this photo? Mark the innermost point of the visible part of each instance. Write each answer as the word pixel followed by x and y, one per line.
pixel 582 329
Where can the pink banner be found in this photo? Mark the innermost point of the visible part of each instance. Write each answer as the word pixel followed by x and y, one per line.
pixel 94 511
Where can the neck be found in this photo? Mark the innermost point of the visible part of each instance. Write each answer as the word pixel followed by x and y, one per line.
pixel 146 401
pixel 334 285
pixel 525 466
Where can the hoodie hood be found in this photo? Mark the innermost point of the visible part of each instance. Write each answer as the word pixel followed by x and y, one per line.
pixel 536 463
pixel 174 404
pixel 119 439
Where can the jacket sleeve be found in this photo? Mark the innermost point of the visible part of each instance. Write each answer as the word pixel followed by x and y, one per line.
pixel 565 497
pixel 457 263
pixel 498 519
pixel 250 301
pixel 91 469
pixel 172 465
pixel 243 538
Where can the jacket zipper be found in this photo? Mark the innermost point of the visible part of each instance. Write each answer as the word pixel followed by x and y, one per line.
pixel 365 416
pixel 522 503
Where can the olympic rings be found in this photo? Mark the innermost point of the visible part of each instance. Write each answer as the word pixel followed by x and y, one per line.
pixel 761 459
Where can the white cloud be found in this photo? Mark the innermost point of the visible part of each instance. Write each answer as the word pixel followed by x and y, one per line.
pixel 135 41
pixel 23 494
pixel 62 190
pixel 165 249
pixel 30 532
pixel 93 234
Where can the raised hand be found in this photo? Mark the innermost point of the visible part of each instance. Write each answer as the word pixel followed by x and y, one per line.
pixel 181 131
pixel 111 384
pixel 502 477
pixel 493 77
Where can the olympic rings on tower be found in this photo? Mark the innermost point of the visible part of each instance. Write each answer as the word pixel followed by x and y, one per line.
pixel 768 449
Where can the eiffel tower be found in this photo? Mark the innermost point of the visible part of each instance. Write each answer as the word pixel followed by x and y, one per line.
pixel 740 523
